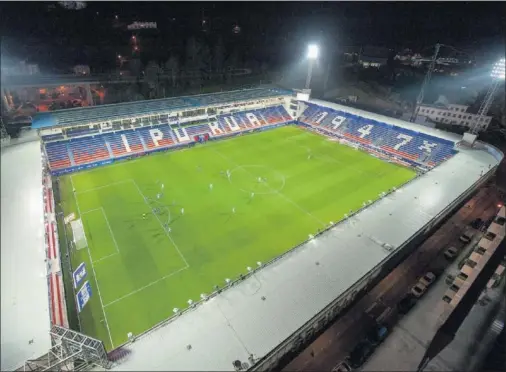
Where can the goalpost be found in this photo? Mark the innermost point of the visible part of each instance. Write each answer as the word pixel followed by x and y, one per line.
pixel 78 234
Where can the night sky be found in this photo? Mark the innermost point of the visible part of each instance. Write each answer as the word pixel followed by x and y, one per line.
pixel 47 34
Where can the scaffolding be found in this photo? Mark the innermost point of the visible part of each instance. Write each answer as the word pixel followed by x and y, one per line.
pixel 71 351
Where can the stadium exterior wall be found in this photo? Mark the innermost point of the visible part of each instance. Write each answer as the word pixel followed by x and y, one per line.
pixel 288 349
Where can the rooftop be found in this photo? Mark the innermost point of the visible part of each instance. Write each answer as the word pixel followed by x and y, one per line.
pixel 257 314
pixel 86 115
pixel 25 305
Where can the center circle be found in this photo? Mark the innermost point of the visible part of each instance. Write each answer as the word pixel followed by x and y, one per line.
pixel 257 179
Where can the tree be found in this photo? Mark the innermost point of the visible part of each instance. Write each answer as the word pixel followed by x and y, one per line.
pixel 172 67
pixel 153 72
pixel 218 56
pixel 205 61
pixel 193 60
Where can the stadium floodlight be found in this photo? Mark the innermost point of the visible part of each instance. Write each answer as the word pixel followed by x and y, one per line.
pixel 497 75
pixel 498 70
pixel 227 280
pixel 313 51
pixel 175 310
pixel 312 55
pixel 190 302
pixel 249 269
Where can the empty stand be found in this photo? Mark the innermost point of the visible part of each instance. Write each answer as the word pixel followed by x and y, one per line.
pixel 58 155
pixel 115 141
pixel 88 149
pixel 398 141
pixel 124 143
pixel 150 137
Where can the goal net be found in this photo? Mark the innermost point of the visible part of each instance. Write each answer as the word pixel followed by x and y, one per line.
pixel 78 234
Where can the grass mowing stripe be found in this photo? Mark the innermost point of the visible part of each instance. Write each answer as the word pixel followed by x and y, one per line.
pixel 146 286
pixel 161 224
pixel 93 268
pixel 274 190
pixel 223 230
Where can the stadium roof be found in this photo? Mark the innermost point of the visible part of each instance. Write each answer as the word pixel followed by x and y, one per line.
pixel 257 314
pixel 25 306
pixel 124 110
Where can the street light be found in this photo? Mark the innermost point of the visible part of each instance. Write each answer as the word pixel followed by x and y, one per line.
pixel 312 55
pixel 497 75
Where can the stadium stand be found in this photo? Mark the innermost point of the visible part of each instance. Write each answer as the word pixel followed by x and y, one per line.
pixel 57 155
pixel 401 142
pixel 88 149
pixel 122 137
pixel 112 144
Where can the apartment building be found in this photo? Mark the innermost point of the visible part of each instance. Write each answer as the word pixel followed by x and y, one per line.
pixel 453 114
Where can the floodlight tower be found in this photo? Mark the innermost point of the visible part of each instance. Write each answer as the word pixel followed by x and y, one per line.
pixel 497 75
pixel 426 81
pixel 312 55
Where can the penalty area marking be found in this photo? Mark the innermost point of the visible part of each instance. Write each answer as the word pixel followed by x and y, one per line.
pixel 93 269
pixel 146 286
pixel 273 190
pixel 110 231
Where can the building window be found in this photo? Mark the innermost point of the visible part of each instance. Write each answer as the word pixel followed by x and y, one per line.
pixel 462 276
pixel 469 117
pixel 471 263
pixel 447 299
pixel 432 112
pixel 460 116
pixel 480 250
pixel 454 115
pixel 454 288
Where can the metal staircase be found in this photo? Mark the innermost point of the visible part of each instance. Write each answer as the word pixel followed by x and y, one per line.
pixel 71 351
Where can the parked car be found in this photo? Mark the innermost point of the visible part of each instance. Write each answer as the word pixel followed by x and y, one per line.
pixel 377 334
pixel 406 303
pixel 342 367
pixel 451 253
pixel 428 278
pixel 467 236
pixel 419 289
pixel 360 353
pixel 476 223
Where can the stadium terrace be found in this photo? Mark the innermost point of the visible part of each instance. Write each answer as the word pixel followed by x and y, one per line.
pixel 205 239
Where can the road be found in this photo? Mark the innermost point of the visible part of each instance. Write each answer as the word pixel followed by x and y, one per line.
pixel 336 342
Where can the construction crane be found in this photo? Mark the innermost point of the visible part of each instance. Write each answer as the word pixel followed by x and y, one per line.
pixel 426 81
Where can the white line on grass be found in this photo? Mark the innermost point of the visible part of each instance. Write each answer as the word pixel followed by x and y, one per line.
pixel 103 258
pixel 109 226
pixel 146 286
pixel 93 269
pixel 103 187
pixel 161 224
pixel 275 191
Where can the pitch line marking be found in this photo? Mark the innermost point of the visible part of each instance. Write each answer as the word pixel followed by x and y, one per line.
pixel 161 224
pixel 103 187
pixel 146 286
pixel 110 230
pixel 93 269
pixel 103 258
pixel 275 191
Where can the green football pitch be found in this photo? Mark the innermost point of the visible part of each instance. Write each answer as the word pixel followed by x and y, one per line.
pixel 165 228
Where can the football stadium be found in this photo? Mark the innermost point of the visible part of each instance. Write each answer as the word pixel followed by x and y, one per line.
pixel 217 231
